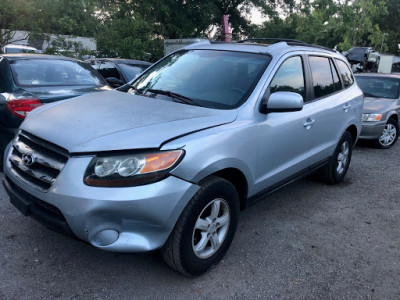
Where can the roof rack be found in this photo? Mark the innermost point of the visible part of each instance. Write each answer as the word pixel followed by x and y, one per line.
pixel 273 40
pixel 290 42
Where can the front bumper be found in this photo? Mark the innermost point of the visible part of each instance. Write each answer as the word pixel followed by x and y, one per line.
pixel 372 130
pixel 132 219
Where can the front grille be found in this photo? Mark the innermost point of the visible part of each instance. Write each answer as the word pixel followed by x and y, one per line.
pixel 36 161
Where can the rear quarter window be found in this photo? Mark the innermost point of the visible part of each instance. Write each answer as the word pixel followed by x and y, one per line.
pixel 345 73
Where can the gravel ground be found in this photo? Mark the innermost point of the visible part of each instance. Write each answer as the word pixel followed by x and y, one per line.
pixel 306 241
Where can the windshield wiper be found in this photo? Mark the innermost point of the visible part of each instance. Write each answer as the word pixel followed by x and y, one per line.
pixel 136 90
pixel 174 96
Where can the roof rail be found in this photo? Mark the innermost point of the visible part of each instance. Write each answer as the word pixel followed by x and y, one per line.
pixel 290 42
pixel 272 40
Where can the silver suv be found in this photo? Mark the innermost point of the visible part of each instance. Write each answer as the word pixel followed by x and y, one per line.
pixel 200 135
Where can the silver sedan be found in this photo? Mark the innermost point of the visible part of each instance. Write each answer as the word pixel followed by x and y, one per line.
pixel 381 108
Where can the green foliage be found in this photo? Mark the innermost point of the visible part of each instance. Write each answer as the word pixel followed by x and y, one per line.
pixel 343 24
pixel 136 28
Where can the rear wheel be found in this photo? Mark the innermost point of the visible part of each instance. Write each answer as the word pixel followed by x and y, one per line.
pixel 205 229
pixel 335 170
pixel 389 135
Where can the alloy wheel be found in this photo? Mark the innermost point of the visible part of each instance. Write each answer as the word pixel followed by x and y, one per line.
pixel 211 228
pixel 343 157
pixel 388 136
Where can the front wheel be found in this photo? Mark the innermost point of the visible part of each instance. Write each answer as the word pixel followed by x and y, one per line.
pixel 389 135
pixel 335 170
pixel 205 228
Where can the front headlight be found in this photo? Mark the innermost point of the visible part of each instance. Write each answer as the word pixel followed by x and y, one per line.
pixel 131 170
pixel 371 117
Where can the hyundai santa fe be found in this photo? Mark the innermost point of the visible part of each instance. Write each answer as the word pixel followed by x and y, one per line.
pixel 198 136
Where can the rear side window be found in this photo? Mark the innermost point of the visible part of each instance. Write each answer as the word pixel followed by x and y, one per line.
pixel 345 73
pixel 289 77
pixel 323 76
pixel 108 69
pixel 130 71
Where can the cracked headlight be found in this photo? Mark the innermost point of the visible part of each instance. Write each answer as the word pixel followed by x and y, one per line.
pixel 131 170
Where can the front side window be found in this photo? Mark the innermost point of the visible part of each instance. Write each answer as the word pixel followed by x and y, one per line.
pixel 379 87
pixel 289 77
pixel 211 78
pixel 345 73
pixel 53 72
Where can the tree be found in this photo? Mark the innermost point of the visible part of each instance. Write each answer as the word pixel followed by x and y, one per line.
pixel 331 23
pixel 14 14
pixel 42 17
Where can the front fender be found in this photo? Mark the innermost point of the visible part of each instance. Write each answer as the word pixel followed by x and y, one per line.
pixel 216 149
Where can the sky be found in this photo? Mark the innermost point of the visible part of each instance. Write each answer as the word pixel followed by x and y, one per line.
pixel 256 17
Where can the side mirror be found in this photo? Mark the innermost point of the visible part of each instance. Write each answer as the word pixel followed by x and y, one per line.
pixel 281 102
pixel 114 82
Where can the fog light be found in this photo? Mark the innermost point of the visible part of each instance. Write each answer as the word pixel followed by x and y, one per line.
pixel 106 237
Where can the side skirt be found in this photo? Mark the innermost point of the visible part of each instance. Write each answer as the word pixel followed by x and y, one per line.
pixel 251 200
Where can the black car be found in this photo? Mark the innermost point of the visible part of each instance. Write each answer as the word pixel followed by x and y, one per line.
pixel 30 80
pixel 118 71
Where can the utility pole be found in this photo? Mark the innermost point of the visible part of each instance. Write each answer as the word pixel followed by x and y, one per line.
pixel 226 36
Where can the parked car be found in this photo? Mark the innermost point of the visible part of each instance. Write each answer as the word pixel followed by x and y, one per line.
pixel 118 71
pixel 201 134
pixel 30 80
pixel 381 108
pixel 13 48
pixel 363 59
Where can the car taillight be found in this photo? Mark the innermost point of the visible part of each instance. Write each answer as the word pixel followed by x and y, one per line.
pixel 21 107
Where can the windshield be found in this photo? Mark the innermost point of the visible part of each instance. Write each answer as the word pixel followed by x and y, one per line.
pixel 379 87
pixel 130 71
pixel 53 72
pixel 214 79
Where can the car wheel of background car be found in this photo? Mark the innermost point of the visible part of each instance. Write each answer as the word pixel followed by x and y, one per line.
pixel 335 170
pixel 205 228
pixel 389 136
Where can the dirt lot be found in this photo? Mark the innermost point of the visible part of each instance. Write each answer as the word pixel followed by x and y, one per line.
pixel 306 241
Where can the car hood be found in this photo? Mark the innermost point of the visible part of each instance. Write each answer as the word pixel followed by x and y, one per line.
pixel 377 105
pixel 57 93
pixel 118 121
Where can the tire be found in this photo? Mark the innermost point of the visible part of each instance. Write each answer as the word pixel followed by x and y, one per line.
pixel 335 170
pixel 214 210
pixel 389 135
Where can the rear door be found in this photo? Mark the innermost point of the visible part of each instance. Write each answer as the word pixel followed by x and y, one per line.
pixel 333 102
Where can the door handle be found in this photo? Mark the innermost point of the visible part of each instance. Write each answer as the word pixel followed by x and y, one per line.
pixel 346 106
pixel 309 122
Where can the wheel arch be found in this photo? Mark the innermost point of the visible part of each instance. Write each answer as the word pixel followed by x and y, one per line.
pixel 353 131
pixel 238 180
pixel 394 116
